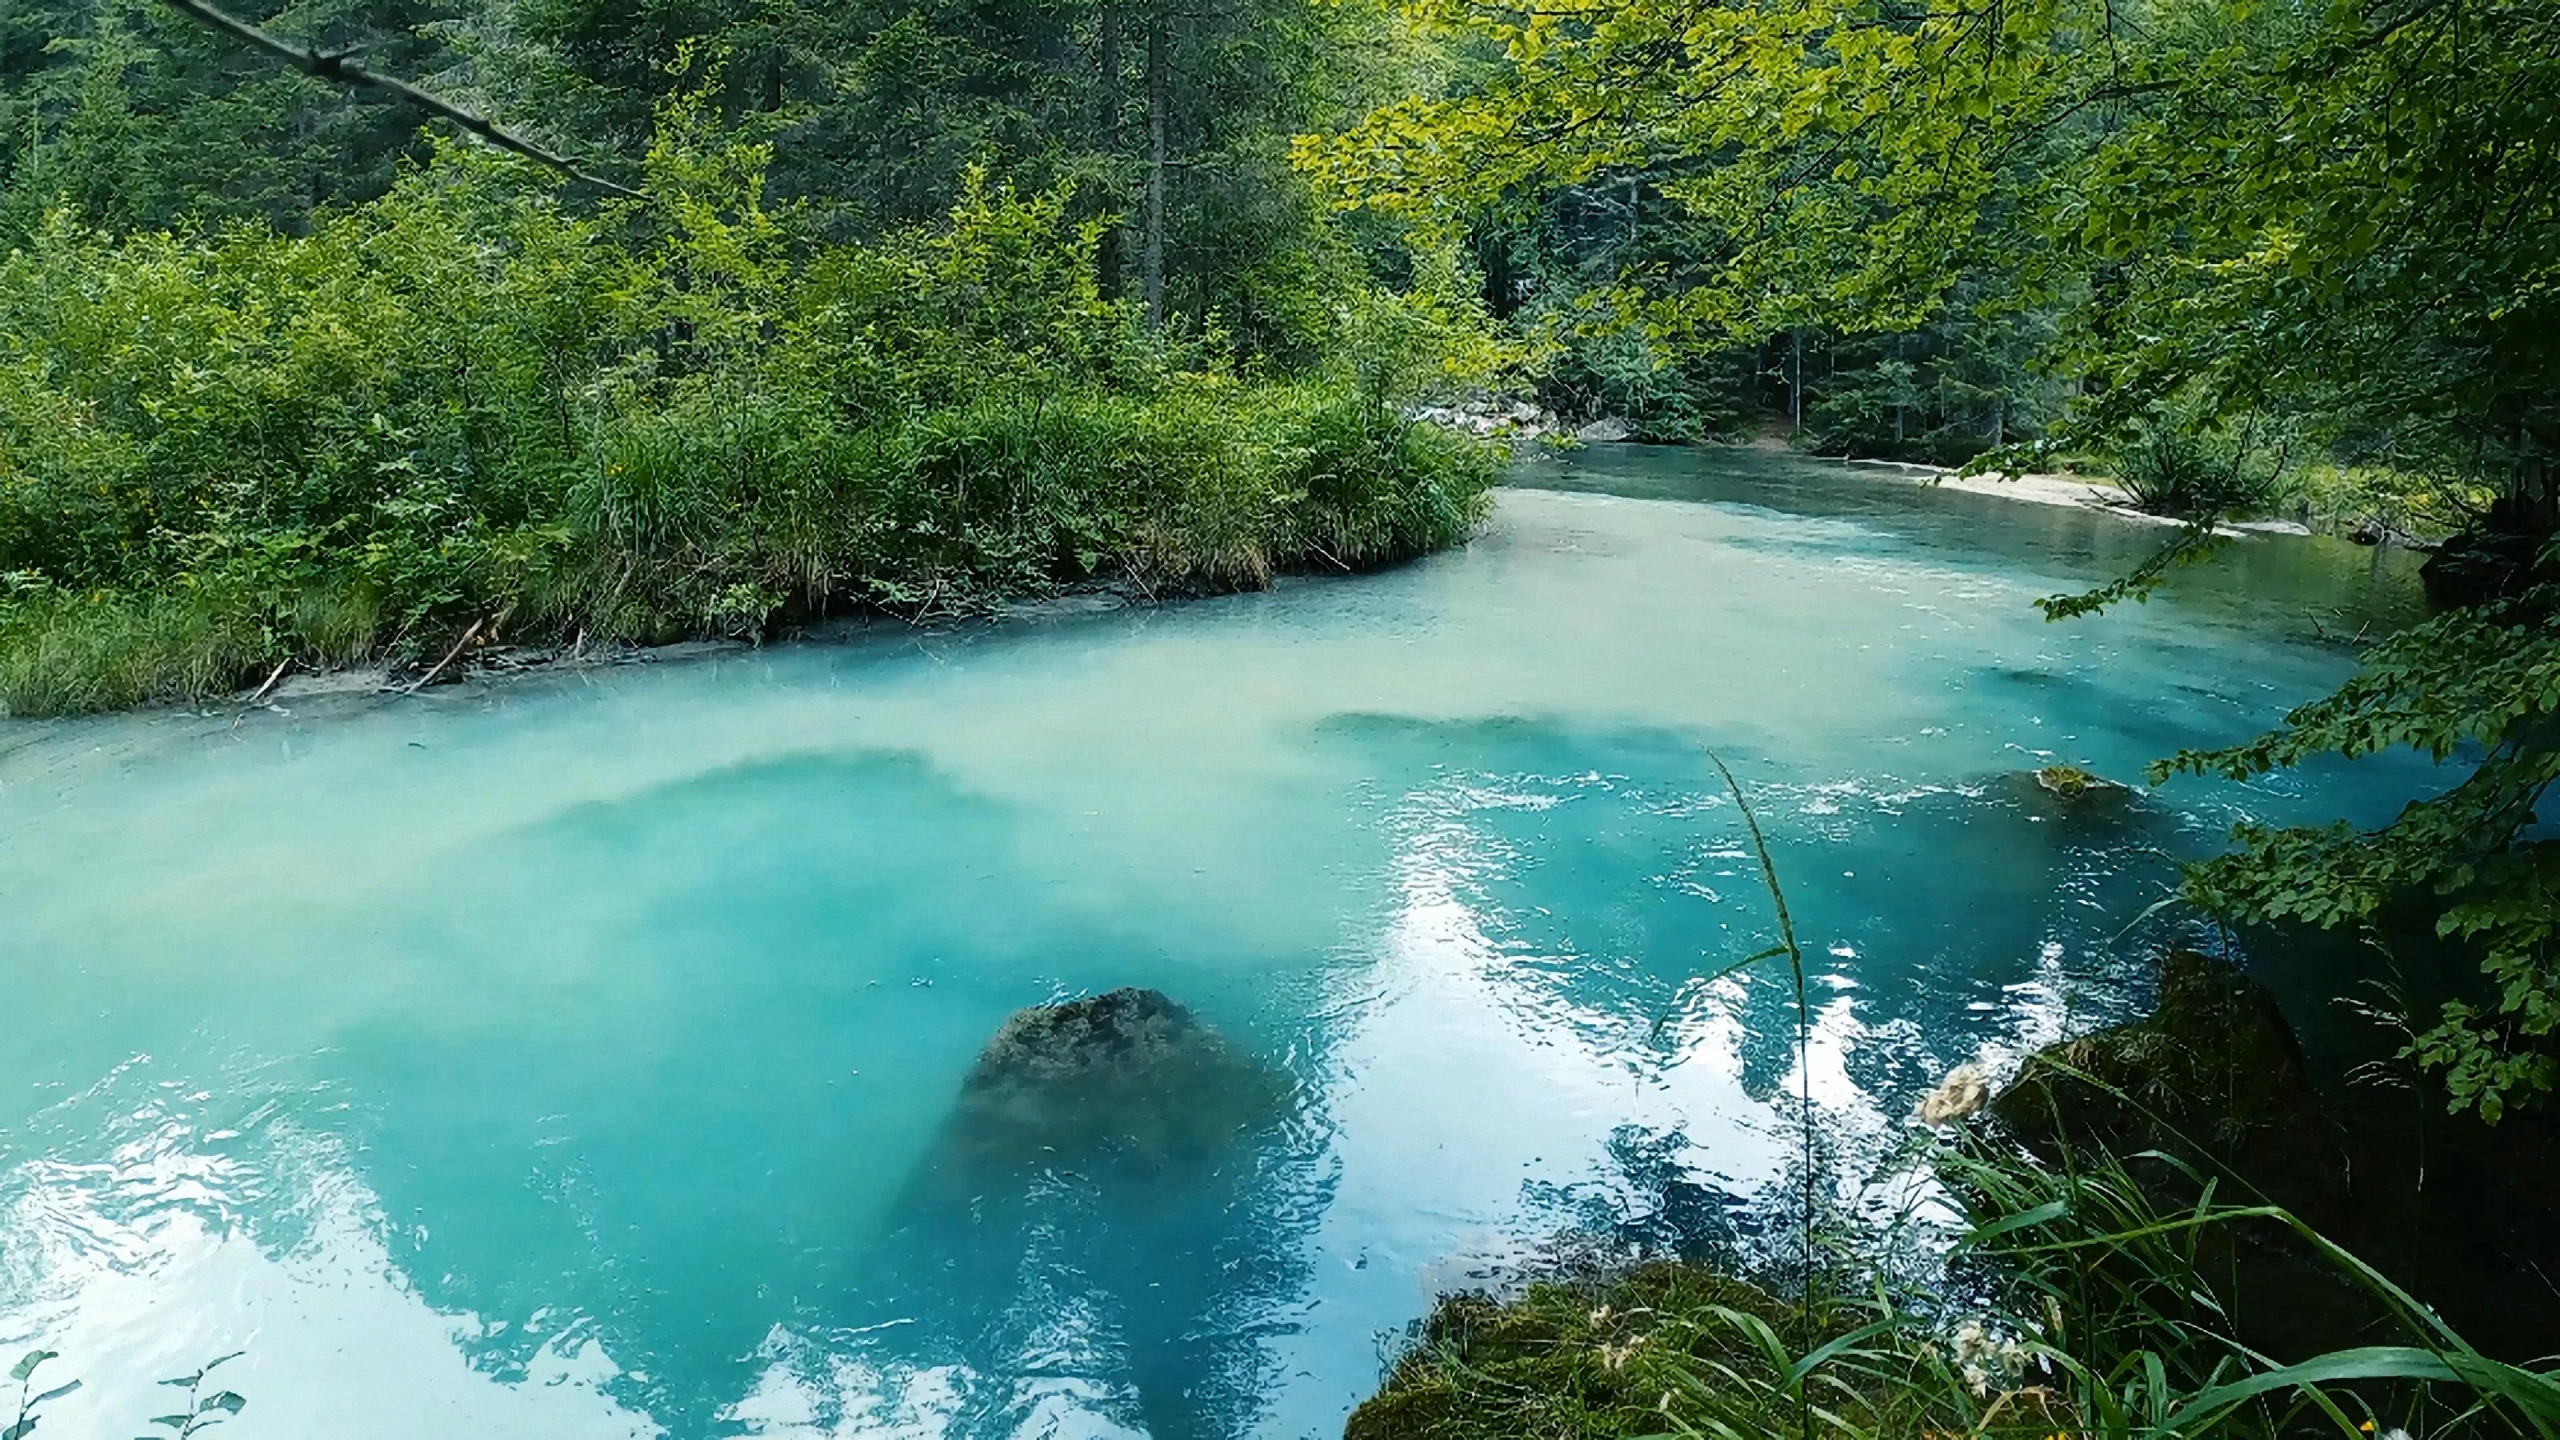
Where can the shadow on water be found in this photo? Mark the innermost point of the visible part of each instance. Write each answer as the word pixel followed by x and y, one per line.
pixel 1984 912
pixel 738 1145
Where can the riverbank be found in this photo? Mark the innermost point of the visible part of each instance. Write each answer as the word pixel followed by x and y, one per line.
pixel 2056 488
pixel 2168 1199
pixel 1441 842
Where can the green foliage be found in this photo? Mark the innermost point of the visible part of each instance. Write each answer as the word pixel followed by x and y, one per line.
pixel 24 1372
pixel 2171 466
pixel 1666 396
pixel 2364 260
pixel 2479 686
pixel 466 402
pixel 201 1412
pixel 132 116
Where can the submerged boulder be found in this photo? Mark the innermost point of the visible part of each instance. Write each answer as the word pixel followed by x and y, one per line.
pixel 2074 802
pixel 1127 1077
pixel 1120 1150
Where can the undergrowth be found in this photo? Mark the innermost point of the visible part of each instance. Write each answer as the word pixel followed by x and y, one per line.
pixel 467 409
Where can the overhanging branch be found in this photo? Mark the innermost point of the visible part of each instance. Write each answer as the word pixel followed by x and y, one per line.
pixel 338 66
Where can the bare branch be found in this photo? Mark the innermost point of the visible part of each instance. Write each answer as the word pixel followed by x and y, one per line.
pixel 339 66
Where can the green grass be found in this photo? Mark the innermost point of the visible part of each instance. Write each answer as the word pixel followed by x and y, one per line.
pixel 686 527
pixel 63 654
pixel 2075 1298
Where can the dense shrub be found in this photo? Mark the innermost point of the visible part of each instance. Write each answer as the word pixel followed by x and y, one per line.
pixel 465 402
pixel 2171 467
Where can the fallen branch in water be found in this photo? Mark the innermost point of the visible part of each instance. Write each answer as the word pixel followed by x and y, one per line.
pixel 272 677
pixel 459 646
pixel 340 66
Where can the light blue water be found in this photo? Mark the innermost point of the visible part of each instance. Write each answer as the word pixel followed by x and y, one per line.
pixel 553 1059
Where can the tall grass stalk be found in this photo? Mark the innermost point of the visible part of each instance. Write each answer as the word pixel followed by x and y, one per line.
pixel 1804 1042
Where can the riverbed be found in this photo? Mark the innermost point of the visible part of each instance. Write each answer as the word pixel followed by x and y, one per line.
pixel 554 1058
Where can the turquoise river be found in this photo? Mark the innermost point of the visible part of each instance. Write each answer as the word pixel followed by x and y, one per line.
pixel 553 1058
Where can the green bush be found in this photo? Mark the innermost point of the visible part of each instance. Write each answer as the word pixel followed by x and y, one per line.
pixel 464 401
pixel 2172 467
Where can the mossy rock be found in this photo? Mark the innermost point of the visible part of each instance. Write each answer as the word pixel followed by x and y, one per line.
pixel 2214 1070
pixel 1123 1080
pixel 2073 785
pixel 1584 1357
pixel 2216 1078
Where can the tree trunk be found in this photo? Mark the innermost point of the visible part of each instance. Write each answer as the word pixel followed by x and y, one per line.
pixel 1111 256
pixel 1901 384
pixel 1795 391
pixel 1108 43
pixel 1154 254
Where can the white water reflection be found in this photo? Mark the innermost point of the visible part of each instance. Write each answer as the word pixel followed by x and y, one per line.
pixel 141 1264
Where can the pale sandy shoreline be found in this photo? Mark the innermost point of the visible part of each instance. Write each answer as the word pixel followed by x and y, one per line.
pixel 2051 489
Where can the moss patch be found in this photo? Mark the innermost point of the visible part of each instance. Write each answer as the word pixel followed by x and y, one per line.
pixel 2070 782
pixel 1571 1358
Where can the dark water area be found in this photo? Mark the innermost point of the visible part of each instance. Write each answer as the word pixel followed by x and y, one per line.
pixel 578 1056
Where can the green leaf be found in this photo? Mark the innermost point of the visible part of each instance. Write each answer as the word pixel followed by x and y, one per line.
pixel 28 1362
pixel 2050 1210
pixel 2378 1362
pixel 56 1393
pixel 228 1400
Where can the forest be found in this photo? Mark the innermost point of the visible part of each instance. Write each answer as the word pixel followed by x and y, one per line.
pixel 760 312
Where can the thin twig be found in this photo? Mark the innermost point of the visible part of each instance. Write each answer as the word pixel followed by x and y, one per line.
pixel 338 65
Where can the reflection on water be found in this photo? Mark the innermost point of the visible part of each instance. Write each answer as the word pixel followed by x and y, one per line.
pixel 583 1057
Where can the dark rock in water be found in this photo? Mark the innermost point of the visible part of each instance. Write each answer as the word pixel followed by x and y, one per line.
pixel 1120 1150
pixel 2215 1068
pixel 1128 1078
pixel 2215 1077
pixel 2070 794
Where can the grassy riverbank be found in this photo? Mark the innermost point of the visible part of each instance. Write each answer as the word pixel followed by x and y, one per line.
pixel 466 411
pixel 2072 1303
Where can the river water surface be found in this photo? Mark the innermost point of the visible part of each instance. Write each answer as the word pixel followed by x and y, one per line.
pixel 554 1059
